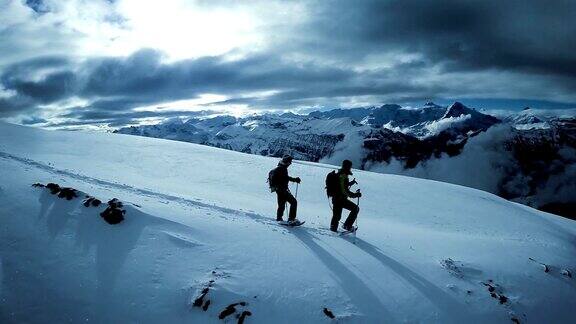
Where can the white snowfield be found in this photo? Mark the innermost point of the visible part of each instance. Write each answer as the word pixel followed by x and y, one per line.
pixel 426 252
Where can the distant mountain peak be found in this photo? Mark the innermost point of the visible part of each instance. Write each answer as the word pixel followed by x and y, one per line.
pixel 457 109
pixel 431 104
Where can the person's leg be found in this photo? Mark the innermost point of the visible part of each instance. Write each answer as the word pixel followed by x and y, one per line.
pixel 293 206
pixel 281 205
pixel 354 210
pixel 336 214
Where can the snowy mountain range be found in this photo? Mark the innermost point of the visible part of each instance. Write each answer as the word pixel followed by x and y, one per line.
pixel 518 149
pixel 315 136
pixel 109 228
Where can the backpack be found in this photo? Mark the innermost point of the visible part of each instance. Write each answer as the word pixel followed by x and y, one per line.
pixel 272 180
pixel 332 184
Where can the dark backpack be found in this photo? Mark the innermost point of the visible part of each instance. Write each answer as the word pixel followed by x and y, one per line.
pixel 272 180
pixel 332 186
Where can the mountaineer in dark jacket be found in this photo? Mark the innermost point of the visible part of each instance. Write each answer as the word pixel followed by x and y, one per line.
pixel 281 179
pixel 340 199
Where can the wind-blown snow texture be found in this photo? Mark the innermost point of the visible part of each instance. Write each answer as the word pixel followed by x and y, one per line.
pixel 200 217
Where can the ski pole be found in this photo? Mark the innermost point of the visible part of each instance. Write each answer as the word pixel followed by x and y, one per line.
pixel 358 201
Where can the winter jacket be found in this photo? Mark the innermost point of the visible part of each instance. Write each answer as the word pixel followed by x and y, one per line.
pixel 281 177
pixel 344 188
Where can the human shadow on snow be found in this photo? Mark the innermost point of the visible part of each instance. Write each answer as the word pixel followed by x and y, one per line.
pixel 360 294
pixel 449 305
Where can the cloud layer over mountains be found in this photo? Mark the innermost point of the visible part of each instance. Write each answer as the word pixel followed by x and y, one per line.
pixel 88 67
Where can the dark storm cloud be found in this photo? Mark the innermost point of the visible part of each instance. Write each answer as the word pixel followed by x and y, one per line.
pixel 83 113
pixel 54 87
pixel 328 95
pixel 15 105
pixel 120 84
pixel 83 116
pixel 533 36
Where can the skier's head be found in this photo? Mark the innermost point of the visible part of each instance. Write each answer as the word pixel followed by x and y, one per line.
pixel 286 160
pixel 347 167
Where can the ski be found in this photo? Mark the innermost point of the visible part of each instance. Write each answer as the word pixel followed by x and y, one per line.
pixel 348 232
pixel 291 224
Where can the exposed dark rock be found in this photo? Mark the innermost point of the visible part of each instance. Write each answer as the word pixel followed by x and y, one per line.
pixel 502 299
pixel 230 309
pixel 227 311
pixel 67 193
pixel 206 305
pixel 62 192
pixel 328 313
pixel 200 299
pixel 545 267
pixel 495 292
pixel 54 188
pixel 243 316
pixel 114 214
pixel 91 201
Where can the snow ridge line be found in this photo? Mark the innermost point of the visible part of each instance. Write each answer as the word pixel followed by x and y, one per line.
pixel 104 183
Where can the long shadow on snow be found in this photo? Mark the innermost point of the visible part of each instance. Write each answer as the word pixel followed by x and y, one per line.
pixel 443 301
pixel 56 211
pixel 356 289
pixel 113 244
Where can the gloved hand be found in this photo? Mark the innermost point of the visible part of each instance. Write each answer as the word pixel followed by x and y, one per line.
pixel 297 180
pixel 353 182
pixel 358 195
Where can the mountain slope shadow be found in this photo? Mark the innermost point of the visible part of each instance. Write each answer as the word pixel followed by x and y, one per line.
pixel 452 308
pixel 362 296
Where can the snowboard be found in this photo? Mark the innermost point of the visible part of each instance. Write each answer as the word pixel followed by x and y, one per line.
pixel 295 224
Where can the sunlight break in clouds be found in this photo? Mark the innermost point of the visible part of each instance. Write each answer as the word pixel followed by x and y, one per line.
pixel 181 29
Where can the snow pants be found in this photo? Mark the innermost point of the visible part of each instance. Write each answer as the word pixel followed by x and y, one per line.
pixel 284 196
pixel 343 203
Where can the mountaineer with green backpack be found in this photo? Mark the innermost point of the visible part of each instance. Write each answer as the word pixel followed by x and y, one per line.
pixel 338 187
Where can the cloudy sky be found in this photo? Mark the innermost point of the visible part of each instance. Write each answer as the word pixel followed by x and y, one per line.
pixel 115 62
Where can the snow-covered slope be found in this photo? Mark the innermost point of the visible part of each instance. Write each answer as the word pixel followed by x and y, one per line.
pixel 426 251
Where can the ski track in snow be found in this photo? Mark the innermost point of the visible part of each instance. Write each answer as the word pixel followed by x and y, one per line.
pixel 143 192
